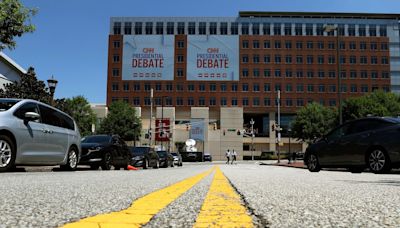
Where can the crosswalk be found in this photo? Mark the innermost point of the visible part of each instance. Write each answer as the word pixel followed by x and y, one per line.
pixel 222 206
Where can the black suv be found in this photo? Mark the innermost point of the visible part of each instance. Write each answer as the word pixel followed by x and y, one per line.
pixel 143 156
pixel 104 151
pixel 165 158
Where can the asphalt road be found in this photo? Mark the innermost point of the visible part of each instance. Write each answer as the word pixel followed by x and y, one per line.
pixel 277 196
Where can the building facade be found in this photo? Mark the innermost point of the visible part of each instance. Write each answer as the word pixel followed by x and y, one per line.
pixel 225 72
pixel 10 71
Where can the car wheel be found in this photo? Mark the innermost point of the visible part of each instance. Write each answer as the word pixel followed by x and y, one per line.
pixel 378 161
pixel 107 160
pixel 94 167
pixel 7 153
pixel 145 164
pixel 172 164
pixel 313 163
pixel 180 164
pixel 72 160
pixel 155 166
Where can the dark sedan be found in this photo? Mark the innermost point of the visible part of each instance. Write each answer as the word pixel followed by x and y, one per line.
pixel 145 157
pixel 105 151
pixel 165 159
pixel 372 143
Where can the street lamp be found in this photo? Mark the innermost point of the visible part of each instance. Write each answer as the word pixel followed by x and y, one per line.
pixel 290 134
pixel 252 137
pixel 52 83
pixel 332 28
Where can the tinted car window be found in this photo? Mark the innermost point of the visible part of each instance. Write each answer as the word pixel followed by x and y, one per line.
pixel 49 116
pixel 359 126
pixel 162 153
pixel 28 107
pixel 7 104
pixel 96 139
pixel 338 132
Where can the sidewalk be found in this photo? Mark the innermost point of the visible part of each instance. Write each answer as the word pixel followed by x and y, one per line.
pixel 295 164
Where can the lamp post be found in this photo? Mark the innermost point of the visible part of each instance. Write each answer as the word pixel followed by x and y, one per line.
pixel 52 84
pixel 161 134
pixel 252 137
pixel 151 115
pixel 278 128
pixel 332 28
pixel 290 134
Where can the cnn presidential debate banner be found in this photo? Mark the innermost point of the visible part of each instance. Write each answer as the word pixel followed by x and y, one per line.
pixel 213 58
pixel 149 57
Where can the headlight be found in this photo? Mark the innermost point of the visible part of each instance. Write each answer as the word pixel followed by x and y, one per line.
pixel 95 149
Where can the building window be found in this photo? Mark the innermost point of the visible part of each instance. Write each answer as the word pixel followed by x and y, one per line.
pixel 320 59
pixel 288 29
pixel 202 28
pixel 128 28
pixel 310 59
pixel 277 44
pixel 159 28
pixel 213 101
pixel 374 60
pixel 213 87
pixel 361 30
pixel 267 87
pixel 256 101
pixel 266 29
pixel 180 59
pixel 364 88
pixel 267 44
pixel 245 58
pixel 116 44
pixel 277 29
pixel 385 74
pixel 256 28
pixel 353 59
pixel 245 101
pixel 299 73
pixel 256 87
pixel 320 45
pixel 332 88
pixel 256 58
pixel 138 28
pixel 223 28
pixel 373 46
pixel 288 59
pixel 332 102
pixel 190 101
pixel 299 45
pixel 116 58
pixel 267 73
pixel 353 74
pixel 245 87
pixel 288 87
pixel 342 59
pixel 179 87
pixel 180 44
pixel 299 102
pixel 364 74
pixel 384 46
pixel 278 73
pixel 267 101
pixel 147 87
pixel 310 74
pixel 179 101
pixel 363 60
pixel 344 88
pixel 147 101
pixel 223 87
pixel 321 88
pixel 321 74
pixel 213 28
pixel 300 87
pixel 278 87
pixel 310 45
pixel 310 88
pixel 352 45
pixel 331 45
pixel 309 29
pixel 331 59
pixel 289 102
pixel 256 72
pixel 181 28
pixel 202 87
pixel 353 88
pixel 169 87
pixel 383 30
pixel 289 73
pixel 245 28
pixel 191 87
pixel 342 45
pixel 352 30
pixel 245 44
pixel 256 44
pixel 179 72
pixel 136 87
pixel 299 59
pixel 126 86
pixel 320 29
pixel 115 87
pixel 341 29
pixel 385 60
pixel 234 87
pixel 331 74
pixel 374 74
pixel 115 72
pixel 202 101
pixel 372 30
pixel 245 73
pixel 223 101
pixel 192 28
pixel 277 58
pixel 170 28
pixel 267 59
pixel 299 29
pixel 149 28
pixel 136 101
pixel 234 28
pixel 158 87
pixel 363 45
pixel 117 28
pixel 234 101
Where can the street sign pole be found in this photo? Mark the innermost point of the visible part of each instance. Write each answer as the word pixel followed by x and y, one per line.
pixel 279 125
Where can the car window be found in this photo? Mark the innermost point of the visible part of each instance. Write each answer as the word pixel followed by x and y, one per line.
pixel 359 126
pixel 28 107
pixel 50 116
pixel 67 122
pixel 96 139
pixel 7 104
pixel 338 132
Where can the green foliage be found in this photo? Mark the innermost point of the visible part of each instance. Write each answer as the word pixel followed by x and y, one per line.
pixel 313 121
pixel 378 103
pixel 28 88
pixel 79 108
pixel 14 21
pixel 121 120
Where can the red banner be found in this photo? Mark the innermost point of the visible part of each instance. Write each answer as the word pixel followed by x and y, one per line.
pixel 162 130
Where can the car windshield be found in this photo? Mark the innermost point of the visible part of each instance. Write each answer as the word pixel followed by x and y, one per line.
pixel 174 154
pixel 162 153
pixel 96 139
pixel 6 104
pixel 138 151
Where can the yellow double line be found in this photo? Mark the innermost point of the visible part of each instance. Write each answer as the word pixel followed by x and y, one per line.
pixel 222 206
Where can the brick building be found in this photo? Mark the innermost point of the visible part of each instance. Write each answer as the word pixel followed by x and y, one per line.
pixel 223 72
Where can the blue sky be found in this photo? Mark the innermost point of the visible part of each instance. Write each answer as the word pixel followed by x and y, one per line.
pixel 70 41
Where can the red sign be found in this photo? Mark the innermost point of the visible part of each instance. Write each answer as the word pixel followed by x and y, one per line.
pixel 162 130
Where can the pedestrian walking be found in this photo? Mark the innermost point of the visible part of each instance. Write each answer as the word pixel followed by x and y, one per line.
pixel 228 155
pixel 234 154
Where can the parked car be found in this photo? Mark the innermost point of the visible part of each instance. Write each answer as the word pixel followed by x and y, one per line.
pixel 177 158
pixel 33 133
pixel 105 151
pixel 364 143
pixel 145 157
pixel 207 157
pixel 165 159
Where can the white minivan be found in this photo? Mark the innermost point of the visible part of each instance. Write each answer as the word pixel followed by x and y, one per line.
pixel 33 133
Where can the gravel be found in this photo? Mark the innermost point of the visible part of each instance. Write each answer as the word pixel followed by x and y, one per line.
pixel 50 199
pixel 289 197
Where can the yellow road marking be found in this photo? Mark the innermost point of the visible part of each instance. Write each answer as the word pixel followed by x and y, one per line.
pixel 143 209
pixel 222 206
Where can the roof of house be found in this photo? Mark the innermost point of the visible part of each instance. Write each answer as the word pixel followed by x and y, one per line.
pixel 7 60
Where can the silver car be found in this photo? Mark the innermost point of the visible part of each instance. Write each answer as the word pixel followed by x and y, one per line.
pixel 33 133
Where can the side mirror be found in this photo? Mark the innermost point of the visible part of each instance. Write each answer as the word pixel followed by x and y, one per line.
pixel 32 116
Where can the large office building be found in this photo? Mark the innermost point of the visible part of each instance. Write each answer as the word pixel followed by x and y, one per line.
pixel 216 78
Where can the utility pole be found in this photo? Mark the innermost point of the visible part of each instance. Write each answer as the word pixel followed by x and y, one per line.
pixel 278 129
pixel 161 133
pixel 252 137
pixel 151 115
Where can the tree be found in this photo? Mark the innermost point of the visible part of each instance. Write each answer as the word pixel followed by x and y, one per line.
pixel 79 109
pixel 313 121
pixel 14 21
pixel 378 103
pixel 121 120
pixel 28 88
